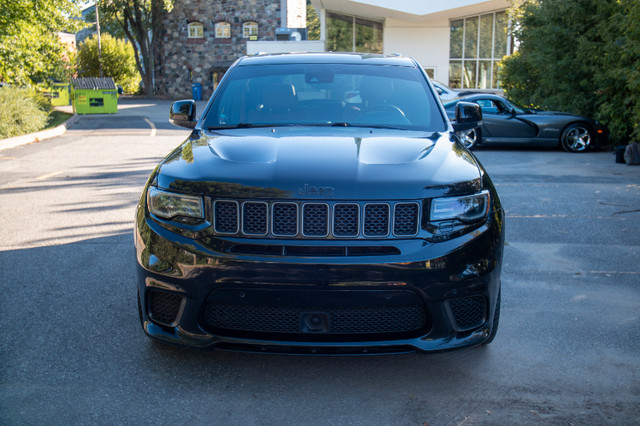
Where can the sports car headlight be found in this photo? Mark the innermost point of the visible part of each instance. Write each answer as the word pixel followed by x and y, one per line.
pixel 169 205
pixel 467 208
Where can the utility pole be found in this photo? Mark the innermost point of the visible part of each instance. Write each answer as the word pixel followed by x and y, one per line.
pixel 99 44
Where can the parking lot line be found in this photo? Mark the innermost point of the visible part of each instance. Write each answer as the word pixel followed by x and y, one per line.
pixel 153 126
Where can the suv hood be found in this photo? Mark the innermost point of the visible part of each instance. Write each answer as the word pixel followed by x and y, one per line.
pixel 351 163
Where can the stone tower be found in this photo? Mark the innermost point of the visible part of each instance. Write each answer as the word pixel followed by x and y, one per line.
pixel 202 38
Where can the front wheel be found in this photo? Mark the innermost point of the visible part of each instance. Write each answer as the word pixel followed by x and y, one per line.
pixel 576 138
pixel 470 138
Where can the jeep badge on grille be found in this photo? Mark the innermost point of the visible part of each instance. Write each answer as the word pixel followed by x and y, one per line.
pixel 307 189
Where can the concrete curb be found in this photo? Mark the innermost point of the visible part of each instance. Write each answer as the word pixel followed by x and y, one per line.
pixel 38 136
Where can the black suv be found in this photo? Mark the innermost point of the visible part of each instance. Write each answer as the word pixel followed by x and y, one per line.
pixel 321 204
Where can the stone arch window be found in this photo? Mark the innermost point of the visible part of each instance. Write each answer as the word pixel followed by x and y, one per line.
pixel 195 30
pixel 250 30
pixel 223 30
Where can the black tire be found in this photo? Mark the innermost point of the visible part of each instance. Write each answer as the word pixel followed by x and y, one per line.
pixel 577 137
pixel 470 138
pixel 496 321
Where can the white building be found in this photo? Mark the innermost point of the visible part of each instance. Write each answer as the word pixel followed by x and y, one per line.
pixel 458 42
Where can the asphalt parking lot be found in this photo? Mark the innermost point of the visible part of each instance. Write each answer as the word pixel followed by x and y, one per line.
pixel 72 351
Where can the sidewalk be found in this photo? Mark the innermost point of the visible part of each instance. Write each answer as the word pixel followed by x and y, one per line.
pixel 156 110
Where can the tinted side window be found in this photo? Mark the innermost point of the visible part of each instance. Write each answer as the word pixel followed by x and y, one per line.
pixel 488 106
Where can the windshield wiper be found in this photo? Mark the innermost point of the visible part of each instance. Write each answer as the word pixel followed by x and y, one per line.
pixel 256 126
pixel 235 126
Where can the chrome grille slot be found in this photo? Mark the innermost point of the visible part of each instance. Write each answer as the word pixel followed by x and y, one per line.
pixel 345 220
pixel 315 220
pixel 376 220
pixel 285 219
pixel 254 218
pixel 405 219
pixel 226 217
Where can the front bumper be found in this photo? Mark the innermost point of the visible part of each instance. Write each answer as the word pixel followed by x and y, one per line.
pixel 320 305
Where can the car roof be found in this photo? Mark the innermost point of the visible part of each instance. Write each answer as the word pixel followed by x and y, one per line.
pixel 327 58
pixel 474 97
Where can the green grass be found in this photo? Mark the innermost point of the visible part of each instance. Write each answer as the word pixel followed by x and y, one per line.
pixel 56 118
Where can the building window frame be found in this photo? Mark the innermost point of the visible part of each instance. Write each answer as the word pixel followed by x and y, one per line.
pixel 195 30
pixel 356 22
pixel 430 71
pixel 223 29
pixel 471 67
pixel 250 30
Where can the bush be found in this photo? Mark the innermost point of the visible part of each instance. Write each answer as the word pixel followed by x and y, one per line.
pixel 117 57
pixel 23 111
pixel 581 57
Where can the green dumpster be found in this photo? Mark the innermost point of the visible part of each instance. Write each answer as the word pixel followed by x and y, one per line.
pixel 59 94
pixel 92 95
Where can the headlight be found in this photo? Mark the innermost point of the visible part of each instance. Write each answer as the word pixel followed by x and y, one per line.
pixel 467 208
pixel 169 205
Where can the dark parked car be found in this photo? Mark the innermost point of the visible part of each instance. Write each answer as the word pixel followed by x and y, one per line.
pixel 504 122
pixel 295 219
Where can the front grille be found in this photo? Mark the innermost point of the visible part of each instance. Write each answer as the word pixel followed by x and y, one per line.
pixel 276 319
pixel 314 314
pixel 164 307
pixel 316 219
pixel 468 312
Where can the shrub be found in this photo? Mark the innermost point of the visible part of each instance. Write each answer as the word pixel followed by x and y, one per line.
pixel 23 111
pixel 118 61
pixel 581 57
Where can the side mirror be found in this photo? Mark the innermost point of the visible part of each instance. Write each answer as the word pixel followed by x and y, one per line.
pixel 468 116
pixel 183 114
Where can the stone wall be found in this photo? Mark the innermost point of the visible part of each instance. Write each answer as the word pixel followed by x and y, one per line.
pixel 187 60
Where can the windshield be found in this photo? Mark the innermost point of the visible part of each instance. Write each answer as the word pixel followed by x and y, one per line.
pixel 325 95
pixel 519 109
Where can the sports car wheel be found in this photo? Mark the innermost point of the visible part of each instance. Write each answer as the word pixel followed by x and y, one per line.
pixel 470 138
pixel 576 138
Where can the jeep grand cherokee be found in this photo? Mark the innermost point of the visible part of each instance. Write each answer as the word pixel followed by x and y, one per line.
pixel 321 204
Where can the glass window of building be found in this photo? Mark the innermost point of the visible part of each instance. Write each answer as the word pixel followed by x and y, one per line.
pixel 250 30
pixel 195 30
pixel 477 44
pixel 347 33
pixel 223 30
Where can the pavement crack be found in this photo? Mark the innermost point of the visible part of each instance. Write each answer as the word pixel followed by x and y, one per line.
pixel 625 212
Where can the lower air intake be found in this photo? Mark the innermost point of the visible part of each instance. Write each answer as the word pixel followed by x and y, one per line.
pixel 468 312
pixel 164 307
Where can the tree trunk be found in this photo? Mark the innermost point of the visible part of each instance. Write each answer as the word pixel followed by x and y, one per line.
pixel 157 30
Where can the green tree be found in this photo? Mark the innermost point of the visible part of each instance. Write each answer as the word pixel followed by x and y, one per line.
pixel 580 56
pixel 30 50
pixel 141 22
pixel 117 57
pixel 313 22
